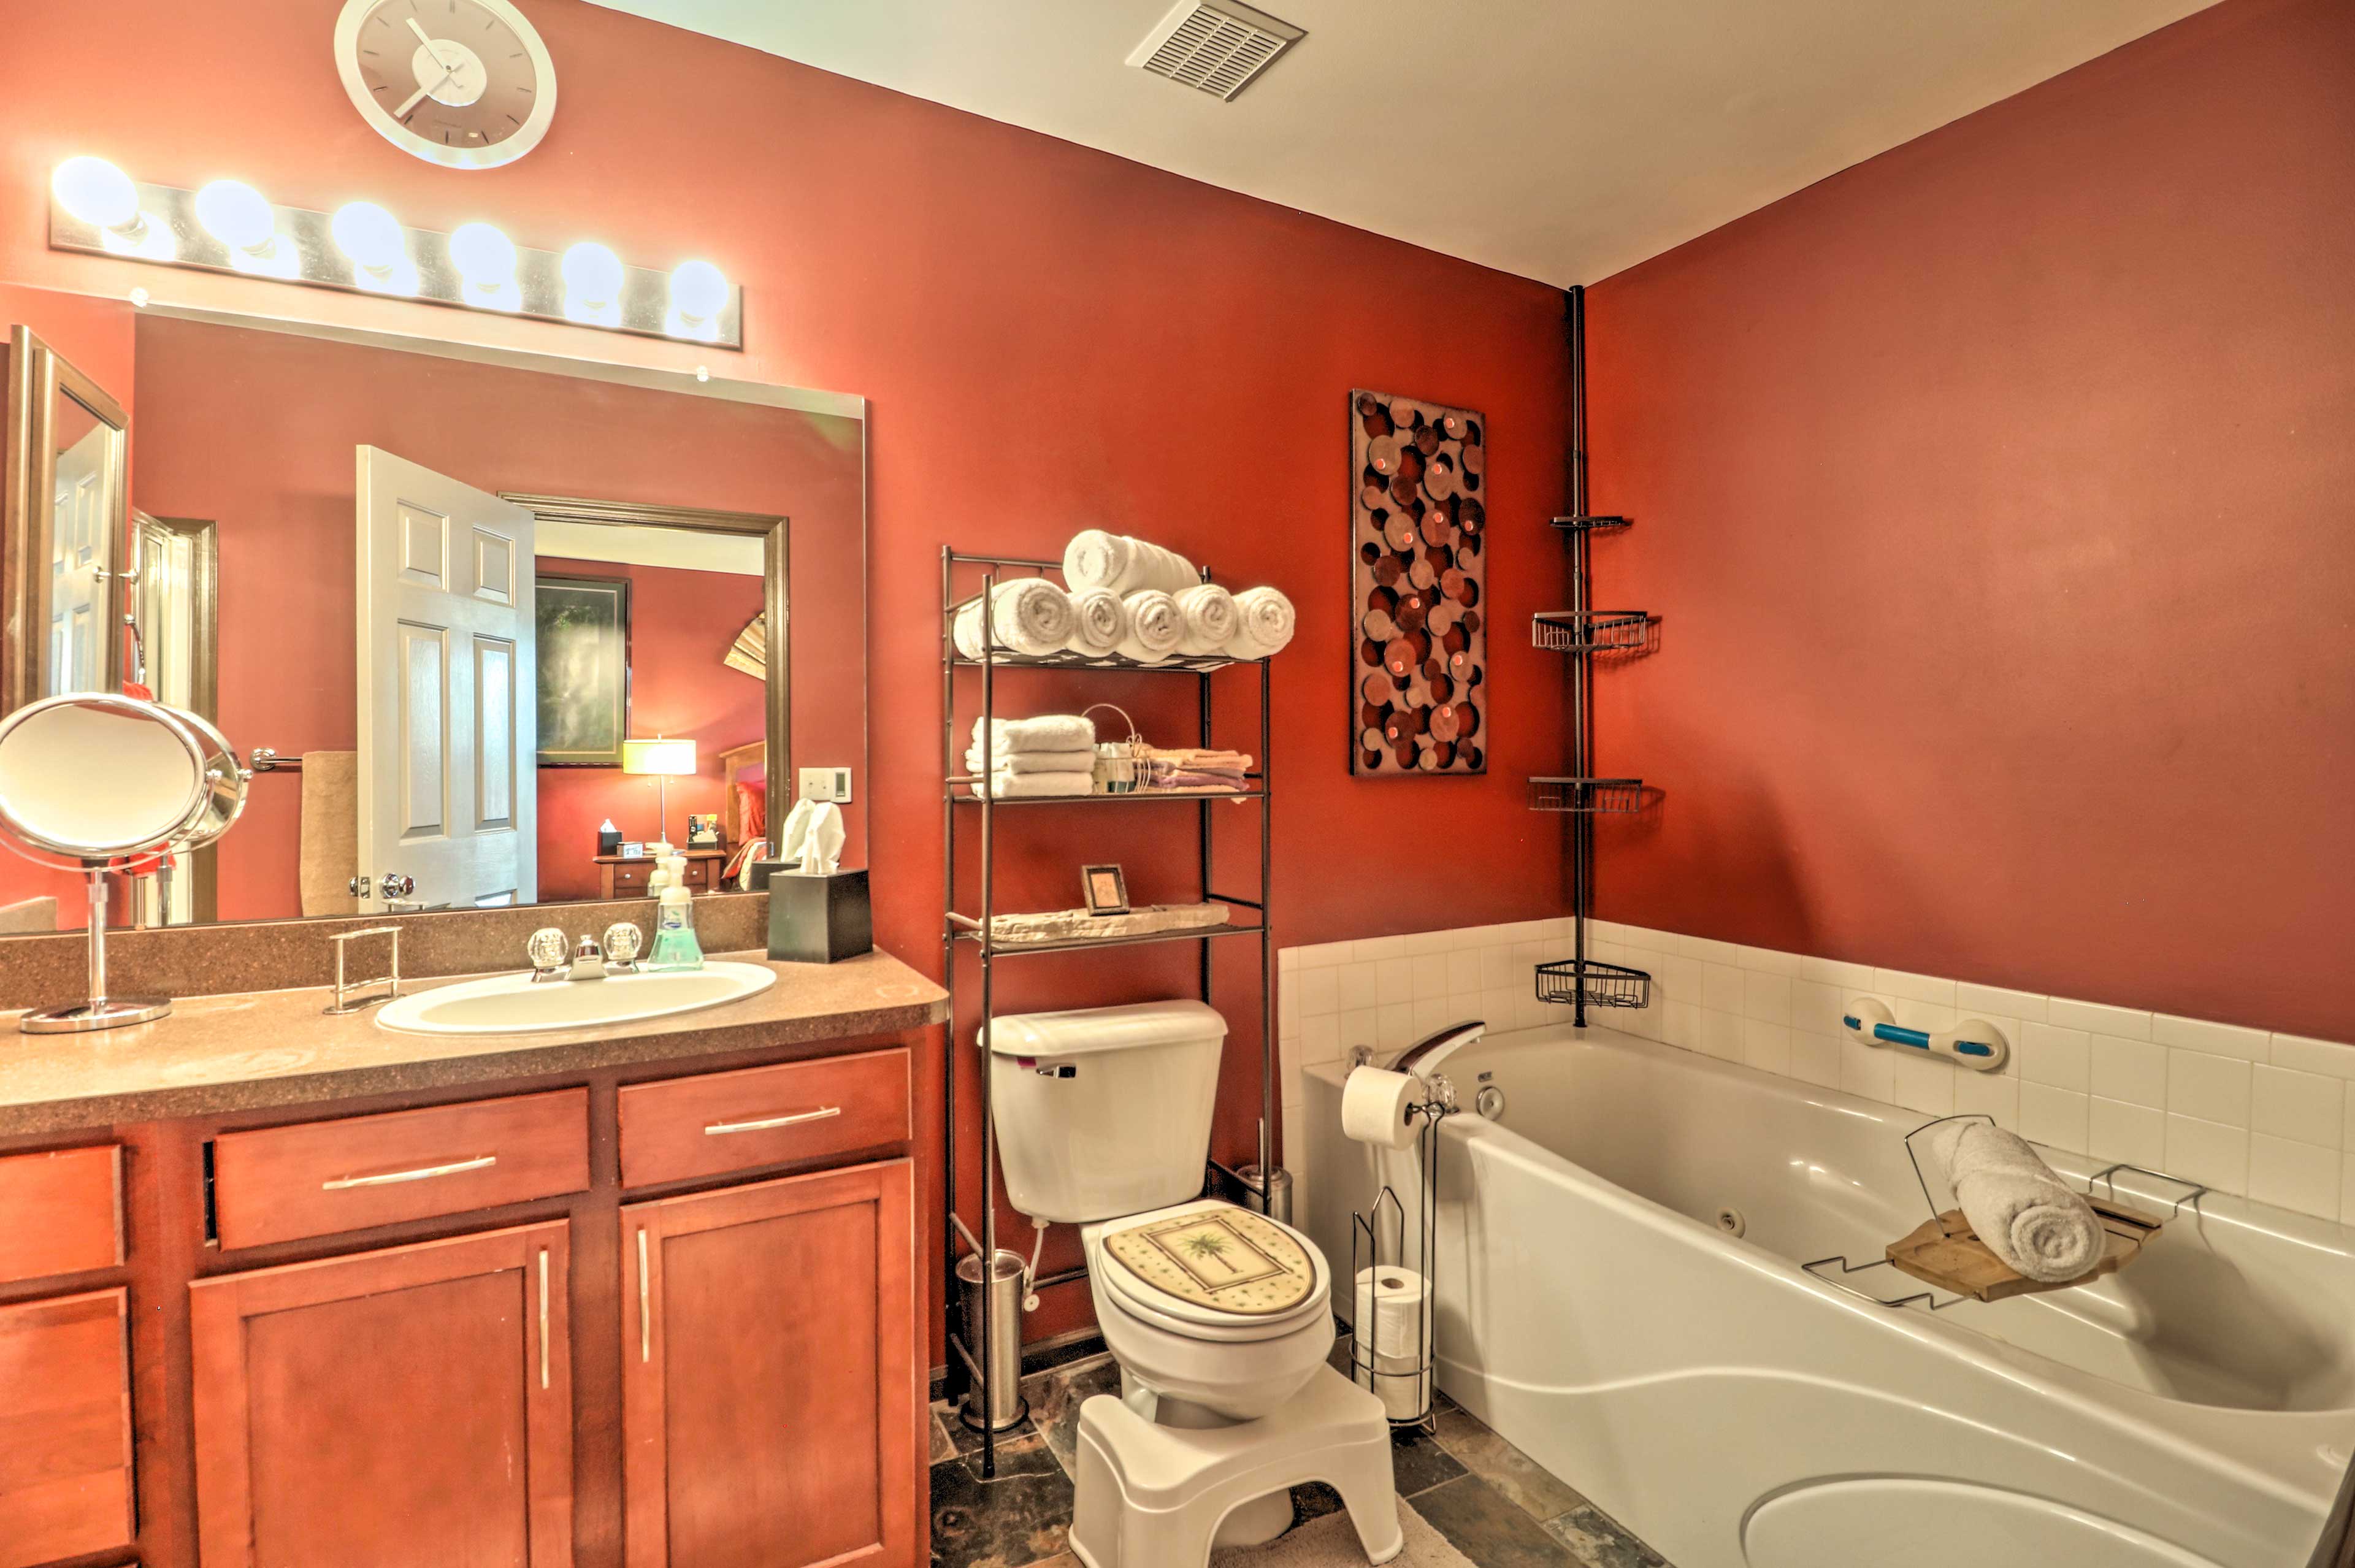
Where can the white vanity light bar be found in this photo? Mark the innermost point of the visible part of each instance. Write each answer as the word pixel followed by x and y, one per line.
pixel 694 303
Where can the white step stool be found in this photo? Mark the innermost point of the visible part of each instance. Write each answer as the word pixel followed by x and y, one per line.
pixel 1153 1496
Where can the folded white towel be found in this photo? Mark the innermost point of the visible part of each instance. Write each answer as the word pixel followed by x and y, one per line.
pixel 1040 732
pixel 1211 619
pixel 1155 626
pixel 1032 761
pixel 1099 621
pixel 2039 1226
pixel 1027 615
pixel 1095 559
pixel 1003 785
pixel 1266 623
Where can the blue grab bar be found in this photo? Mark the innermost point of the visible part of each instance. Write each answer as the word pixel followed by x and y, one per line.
pixel 1897 1034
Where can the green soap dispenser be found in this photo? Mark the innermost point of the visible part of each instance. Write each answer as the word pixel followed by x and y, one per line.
pixel 674 944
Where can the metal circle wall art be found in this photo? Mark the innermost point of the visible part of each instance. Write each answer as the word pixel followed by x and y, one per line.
pixel 1418 576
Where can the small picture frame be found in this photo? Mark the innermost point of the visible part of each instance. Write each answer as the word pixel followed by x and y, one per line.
pixel 629 850
pixel 703 831
pixel 1106 890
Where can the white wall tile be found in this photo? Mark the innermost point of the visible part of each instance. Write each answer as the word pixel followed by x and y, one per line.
pixel 1463 971
pixel 1931 1018
pixel 1768 961
pixel 2010 1029
pixel 2059 1057
pixel 1394 981
pixel 2307 1055
pixel 1360 1026
pixel 1818 1007
pixel 1320 1038
pixel 1319 991
pixel 1766 1046
pixel 2130 1070
pixel 1287 1007
pixel 1287 1062
pixel 1726 953
pixel 1850 978
pixel 1915 987
pixel 2053 1116
pixel 1989 1094
pixel 1721 1034
pixel 2098 1018
pixel 2205 1151
pixel 1287 959
pixel 1433 1014
pixel 2134 1134
pixel 1869 1071
pixel 2346 1188
pixel 1815 1058
pixel 1429 974
pixel 1680 977
pixel 2294 1175
pixel 1681 1025
pixel 2302 1106
pixel 1360 984
pixel 1497 969
pixel 1322 954
pixel 2212 1088
pixel 1721 987
pixel 1419 943
pixel 1923 1084
pixel 1377 949
pixel 1644 939
pixel 2217 1039
pixel 1767 997
pixel 1393 1027
pixel 1981 1001
pixel 1498 1007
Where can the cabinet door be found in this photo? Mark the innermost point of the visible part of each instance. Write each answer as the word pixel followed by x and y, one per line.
pixel 408 1406
pixel 770 1375
pixel 65 1429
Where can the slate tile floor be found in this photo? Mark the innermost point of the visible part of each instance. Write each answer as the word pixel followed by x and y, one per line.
pixel 1487 1497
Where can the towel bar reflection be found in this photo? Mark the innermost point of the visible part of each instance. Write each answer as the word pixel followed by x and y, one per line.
pixel 265 760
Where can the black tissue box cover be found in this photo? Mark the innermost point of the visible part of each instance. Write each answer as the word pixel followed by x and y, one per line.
pixel 609 843
pixel 819 920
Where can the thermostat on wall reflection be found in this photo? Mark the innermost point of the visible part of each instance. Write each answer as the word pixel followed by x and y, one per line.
pixel 827 784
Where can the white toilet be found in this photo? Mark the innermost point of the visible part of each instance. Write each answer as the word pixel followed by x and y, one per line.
pixel 1220 1318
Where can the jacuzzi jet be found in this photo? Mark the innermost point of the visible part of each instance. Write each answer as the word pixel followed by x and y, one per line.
pixel 1731 1222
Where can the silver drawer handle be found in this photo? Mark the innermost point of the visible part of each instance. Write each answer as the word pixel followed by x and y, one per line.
pixel 422 1173
pixel 766 1122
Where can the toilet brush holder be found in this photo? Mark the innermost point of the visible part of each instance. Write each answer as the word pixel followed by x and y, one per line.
pixel 1000 1349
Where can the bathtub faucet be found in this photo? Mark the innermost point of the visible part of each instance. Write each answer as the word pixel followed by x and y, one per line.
pixel 1437 1045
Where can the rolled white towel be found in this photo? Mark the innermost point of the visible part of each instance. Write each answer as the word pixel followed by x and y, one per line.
pixel 1211 619
pixel 1266 622
pixel 1095 559
pixel 1032 761
pixel 1040 732
pixel 1155 626
pixel 2040 1227
pixel 1099 621
pixel 1004 785
pixel 1029 616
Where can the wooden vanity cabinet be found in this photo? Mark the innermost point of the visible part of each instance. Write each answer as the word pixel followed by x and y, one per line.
pixel 771 1385
pixel 65 1428
pixel 403 1406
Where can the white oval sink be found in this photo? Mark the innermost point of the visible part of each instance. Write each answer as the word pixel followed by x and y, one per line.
pixel 514 1004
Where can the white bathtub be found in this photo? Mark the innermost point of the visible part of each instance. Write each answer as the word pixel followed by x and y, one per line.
pixel 1734 1411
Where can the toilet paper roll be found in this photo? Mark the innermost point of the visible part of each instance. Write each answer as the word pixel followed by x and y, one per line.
pixel 1405 1391
pixel 1373 1106
pixel 1394 1317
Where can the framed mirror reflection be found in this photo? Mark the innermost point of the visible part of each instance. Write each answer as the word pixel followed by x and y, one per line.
pixel 458 595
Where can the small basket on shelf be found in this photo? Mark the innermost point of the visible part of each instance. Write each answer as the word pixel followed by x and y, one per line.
pixel 1605 984
pixel 1120 764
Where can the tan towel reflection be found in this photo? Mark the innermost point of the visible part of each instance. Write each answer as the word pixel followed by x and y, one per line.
pixel 331 831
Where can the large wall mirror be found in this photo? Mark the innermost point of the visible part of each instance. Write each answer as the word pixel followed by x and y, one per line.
pixel 456 593
pixel 64 518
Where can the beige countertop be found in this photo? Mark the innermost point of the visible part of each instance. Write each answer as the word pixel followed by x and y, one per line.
pixel 259 1048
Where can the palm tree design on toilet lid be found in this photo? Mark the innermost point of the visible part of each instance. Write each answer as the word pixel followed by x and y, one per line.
pixel 1230 1259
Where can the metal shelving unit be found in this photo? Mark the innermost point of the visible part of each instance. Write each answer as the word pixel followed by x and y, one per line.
pixel 974 932
pixel 1581 632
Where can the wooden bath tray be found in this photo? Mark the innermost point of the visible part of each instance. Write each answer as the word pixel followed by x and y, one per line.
pixel 1947 1252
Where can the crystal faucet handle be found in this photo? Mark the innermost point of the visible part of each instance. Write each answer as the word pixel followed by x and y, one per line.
pixel 549 949
pixel 623 942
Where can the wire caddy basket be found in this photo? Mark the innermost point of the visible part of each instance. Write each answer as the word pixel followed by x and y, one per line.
pixel 1389 1370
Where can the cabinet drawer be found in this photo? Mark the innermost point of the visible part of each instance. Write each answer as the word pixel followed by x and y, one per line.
pixel 684 1127
pixel 65 1393
pixel 63 1210
pixel 317 1178
pixel 630 878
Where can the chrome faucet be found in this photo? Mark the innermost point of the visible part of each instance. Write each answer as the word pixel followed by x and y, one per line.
pixel 588 960
pixel 1410 1060
pixel 549 963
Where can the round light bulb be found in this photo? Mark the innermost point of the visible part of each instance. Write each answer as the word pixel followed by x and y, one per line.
pixel 96 192
pixel 484 257
pixel 592 274
pixel 699 291
pixel 368 236
pixel 236 214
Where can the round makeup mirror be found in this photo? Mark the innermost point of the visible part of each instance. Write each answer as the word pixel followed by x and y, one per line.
pixel 96 782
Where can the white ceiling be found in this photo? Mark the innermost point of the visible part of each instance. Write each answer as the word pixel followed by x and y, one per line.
pixel 1559 139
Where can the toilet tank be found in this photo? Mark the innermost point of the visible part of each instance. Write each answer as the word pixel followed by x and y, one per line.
pixel 1105 1110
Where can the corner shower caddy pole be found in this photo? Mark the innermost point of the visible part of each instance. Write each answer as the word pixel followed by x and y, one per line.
pixel 981 933
pixel 1581 632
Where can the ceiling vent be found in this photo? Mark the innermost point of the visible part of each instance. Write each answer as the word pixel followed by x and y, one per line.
pixel 1220 47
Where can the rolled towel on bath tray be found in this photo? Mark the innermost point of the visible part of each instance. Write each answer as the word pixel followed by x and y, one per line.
pixel 1095 559
pixel 2017 1226
pixel 1029 616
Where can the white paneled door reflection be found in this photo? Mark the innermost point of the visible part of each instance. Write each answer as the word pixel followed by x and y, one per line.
pixel 447 713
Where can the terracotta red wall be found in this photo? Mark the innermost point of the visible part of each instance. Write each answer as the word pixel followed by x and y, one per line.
pixel 1996 494
pixel 255 429
pixel 1048 337
pixel 682 624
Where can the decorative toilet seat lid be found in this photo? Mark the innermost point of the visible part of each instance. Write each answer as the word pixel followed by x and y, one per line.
pixel 1226 1258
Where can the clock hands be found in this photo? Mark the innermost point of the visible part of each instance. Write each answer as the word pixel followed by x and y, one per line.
pixel 448 70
